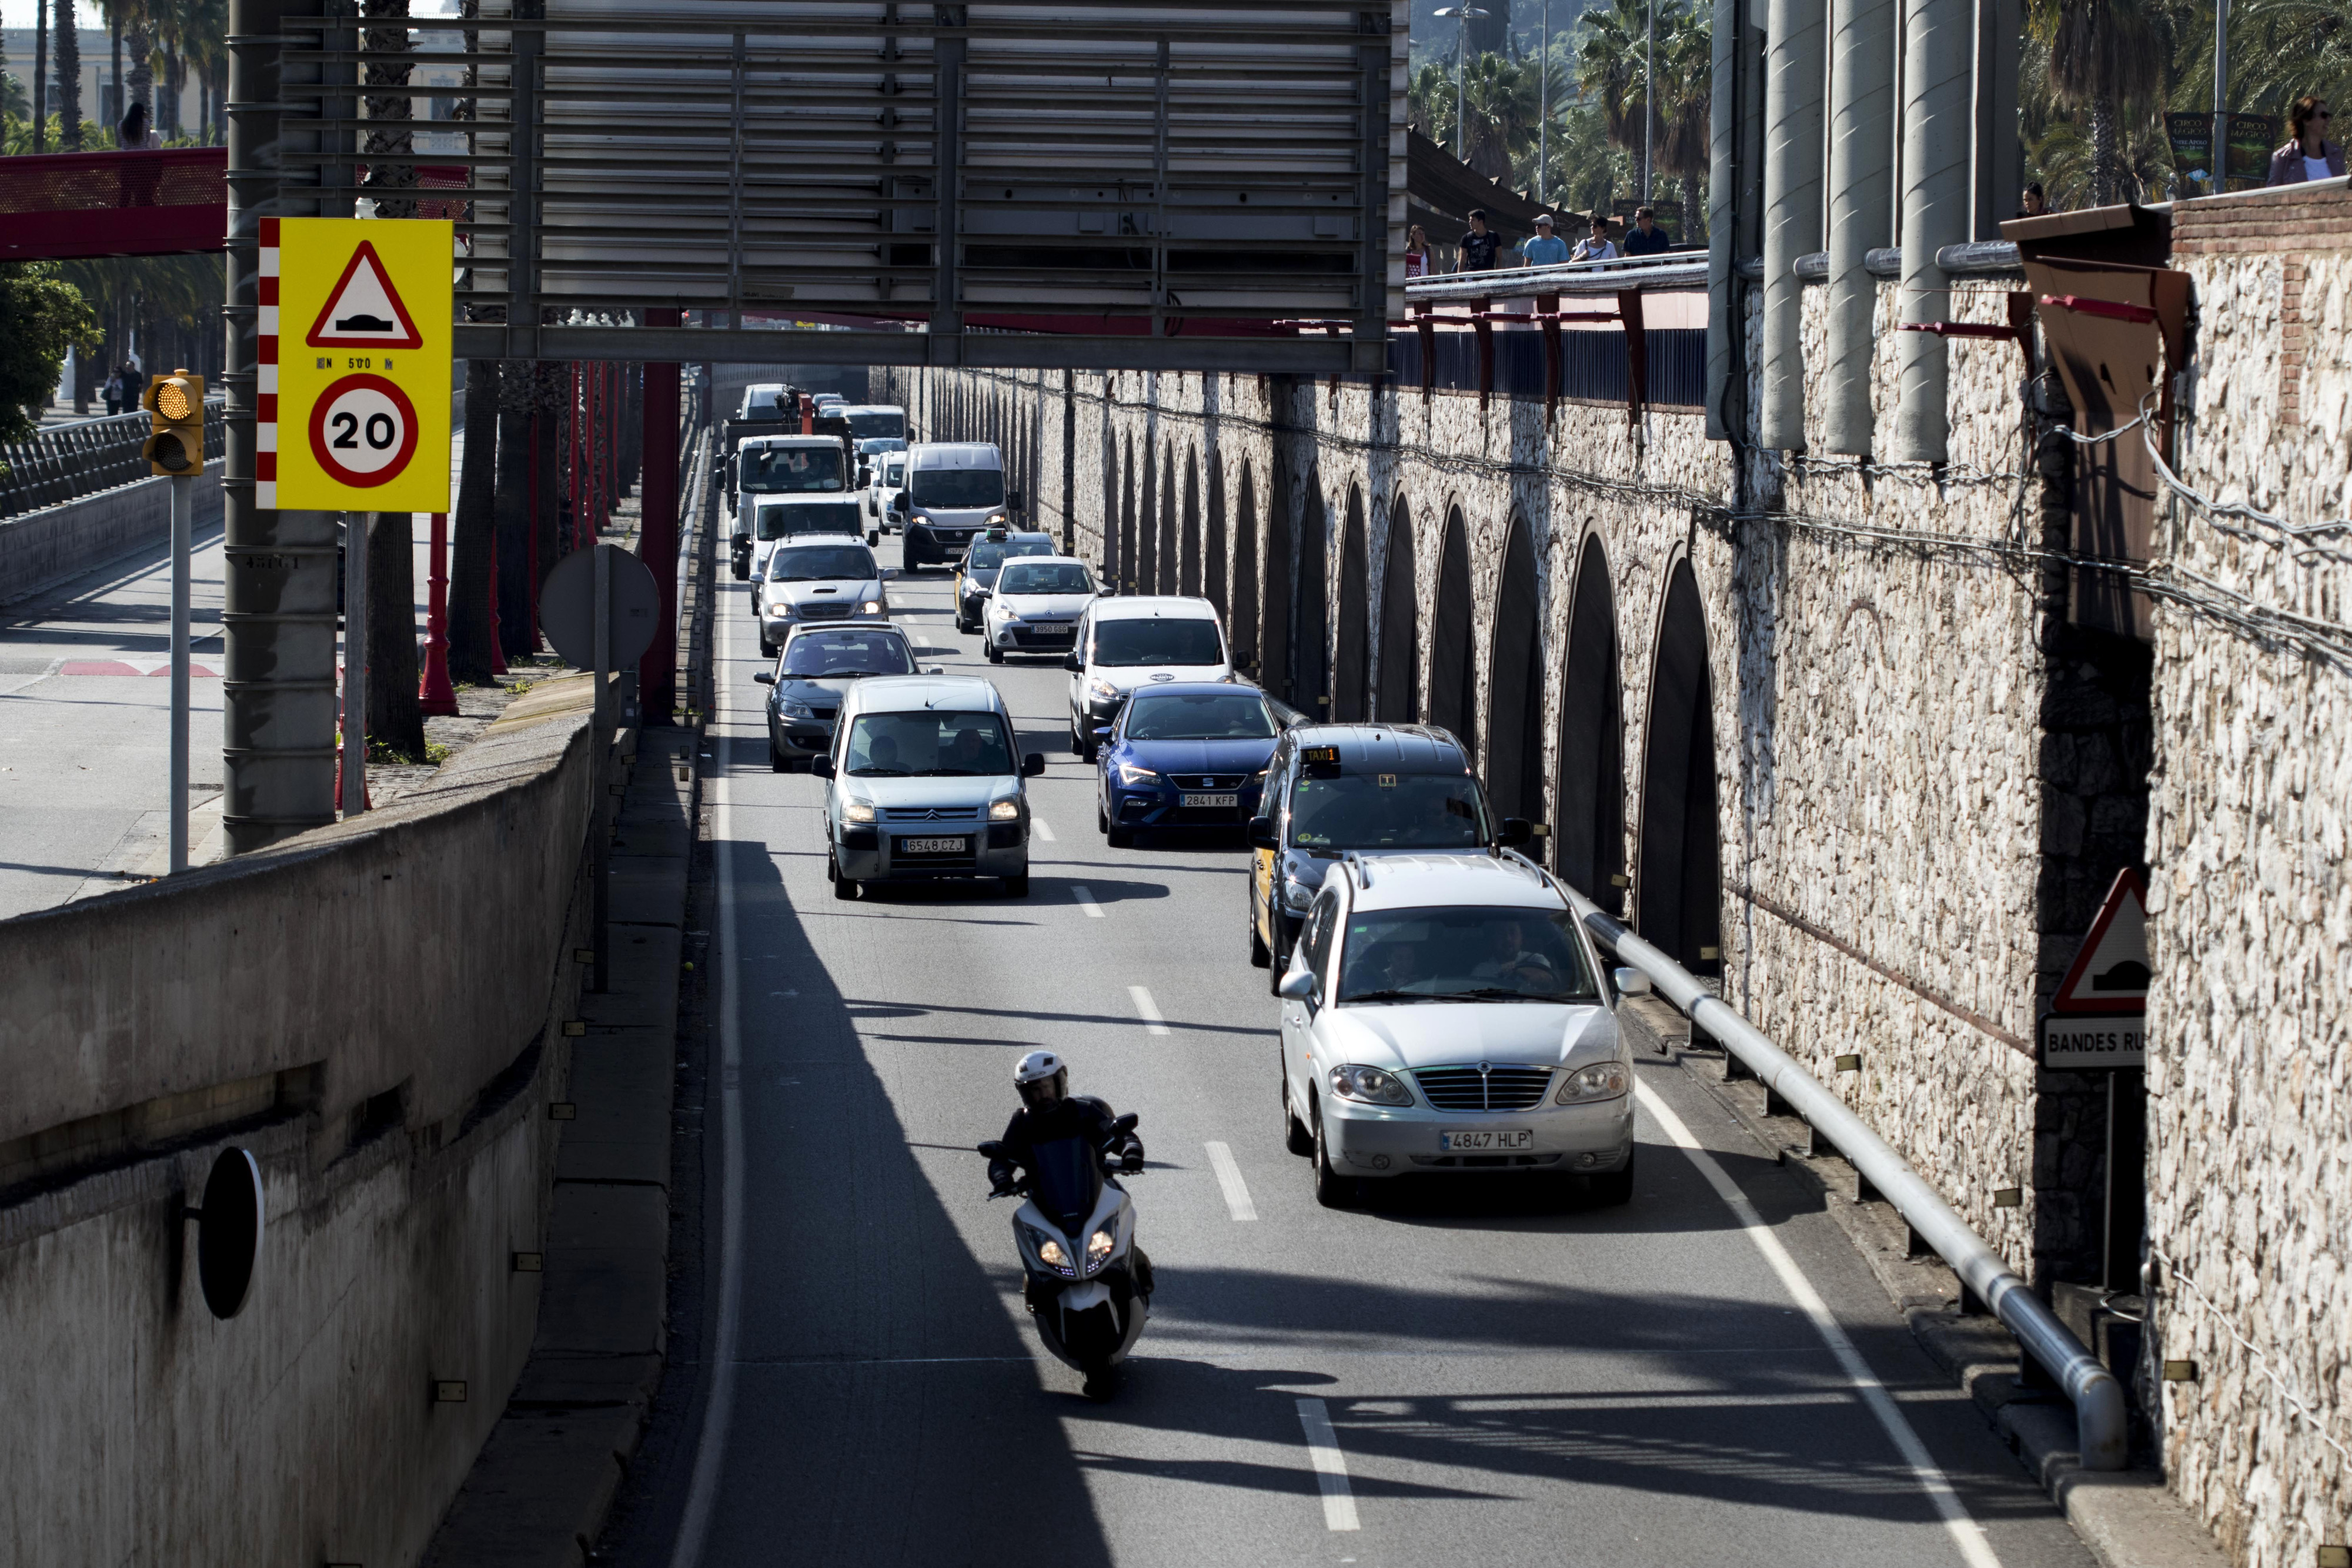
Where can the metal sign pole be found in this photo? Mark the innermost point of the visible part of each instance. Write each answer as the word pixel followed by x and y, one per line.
pixel 355 589
pixel 182 528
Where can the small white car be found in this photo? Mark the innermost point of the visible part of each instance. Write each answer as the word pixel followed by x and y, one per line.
pixel 1447 1014
pixel 1036 604
pixel 816 577
pixel 1123 643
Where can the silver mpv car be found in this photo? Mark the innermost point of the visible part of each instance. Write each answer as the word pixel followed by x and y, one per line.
pixel 924 781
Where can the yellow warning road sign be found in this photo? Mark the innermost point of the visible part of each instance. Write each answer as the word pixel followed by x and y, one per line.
pixel 355 364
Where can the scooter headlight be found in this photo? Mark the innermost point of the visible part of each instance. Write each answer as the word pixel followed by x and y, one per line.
pixel 1052 1253
pixel 1098 1248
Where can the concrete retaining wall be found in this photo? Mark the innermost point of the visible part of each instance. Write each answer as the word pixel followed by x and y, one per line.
pixel 374 1010
pixel 41 549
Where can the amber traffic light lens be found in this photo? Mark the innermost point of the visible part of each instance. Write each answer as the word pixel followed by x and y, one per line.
pixel 171 401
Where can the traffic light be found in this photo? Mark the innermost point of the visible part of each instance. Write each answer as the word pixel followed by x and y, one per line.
pixel 176 403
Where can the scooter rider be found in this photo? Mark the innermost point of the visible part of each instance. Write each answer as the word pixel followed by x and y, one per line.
pixel 1049 1111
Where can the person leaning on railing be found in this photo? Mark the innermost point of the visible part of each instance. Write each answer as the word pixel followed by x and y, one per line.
pixel 1545 248
pixel 1646 238
pixel 1596 245
pixel 1479 245
pixel 2309 155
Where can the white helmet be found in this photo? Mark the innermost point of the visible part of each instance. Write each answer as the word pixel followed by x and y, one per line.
pixel 1043 1079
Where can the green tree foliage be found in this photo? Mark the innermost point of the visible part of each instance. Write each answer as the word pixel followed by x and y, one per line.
pixel 41 316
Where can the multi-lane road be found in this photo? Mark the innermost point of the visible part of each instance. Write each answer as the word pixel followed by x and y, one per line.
pixel 1461 1375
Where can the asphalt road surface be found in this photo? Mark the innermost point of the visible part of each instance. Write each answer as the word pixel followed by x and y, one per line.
pixel 1459 1375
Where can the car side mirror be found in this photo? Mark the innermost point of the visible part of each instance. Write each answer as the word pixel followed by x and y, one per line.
pixel 1631 982
pixel 1261 834
pixel 865 478
pixel 765 677
pixel 1102 732
pixel 935 669
pixel 1517 831
pixel 1012 500
pixel 1298 986
pixel 1034 765
pixel 1071 662
pixel 821 766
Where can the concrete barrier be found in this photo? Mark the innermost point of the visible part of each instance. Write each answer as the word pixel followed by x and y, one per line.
pixel 38 550
pixel 375 1011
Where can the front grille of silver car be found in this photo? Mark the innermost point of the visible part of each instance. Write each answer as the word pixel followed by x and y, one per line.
pixel 1494 1089
pixel 820 611
pixel 930 813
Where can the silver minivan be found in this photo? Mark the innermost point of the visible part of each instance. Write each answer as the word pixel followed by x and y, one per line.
pixel 954 489
pixel 925 781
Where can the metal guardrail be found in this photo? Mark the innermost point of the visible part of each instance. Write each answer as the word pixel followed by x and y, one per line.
pixel 1676 271
pixel 80 457
pixel 2100 1424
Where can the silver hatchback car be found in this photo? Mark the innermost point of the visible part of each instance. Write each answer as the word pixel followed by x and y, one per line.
pixel 924 781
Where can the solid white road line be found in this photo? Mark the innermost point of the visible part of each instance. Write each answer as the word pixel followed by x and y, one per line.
pixel 711 1452
pixel 1153 1023
pixel 1229 1177
pixel 1086 897
pixel 1038 826
pixel 1331 1466
pixel 1966 1533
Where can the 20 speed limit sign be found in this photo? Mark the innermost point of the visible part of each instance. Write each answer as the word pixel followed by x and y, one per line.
pixel 354 364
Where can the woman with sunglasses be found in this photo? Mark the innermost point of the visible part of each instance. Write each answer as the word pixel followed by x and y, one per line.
pixel 2310 156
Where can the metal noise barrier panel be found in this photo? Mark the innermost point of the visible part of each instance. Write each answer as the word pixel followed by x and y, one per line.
pixel 2098 1397
pixel 1194 166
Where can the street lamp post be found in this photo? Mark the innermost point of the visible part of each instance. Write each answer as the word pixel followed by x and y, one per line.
pixel 1543 105
pixel 1649 93
pixel 1462 16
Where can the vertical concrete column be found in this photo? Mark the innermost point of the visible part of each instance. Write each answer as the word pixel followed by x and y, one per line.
pixel 1937 141
pixel 278 614
pixel 1793 63
pixel 1722 220
pixel 1862 210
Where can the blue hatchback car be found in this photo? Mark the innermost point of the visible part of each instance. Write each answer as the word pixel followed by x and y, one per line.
pixel 1185 754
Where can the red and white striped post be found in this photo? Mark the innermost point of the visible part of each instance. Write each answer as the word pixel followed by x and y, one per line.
pixel 434 695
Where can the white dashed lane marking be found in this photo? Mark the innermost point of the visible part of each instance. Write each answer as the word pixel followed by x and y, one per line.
pixel 1086 897
pixel 1330 1465
pixel 1229 1177
pixel 1037 825
pixel 1153 1021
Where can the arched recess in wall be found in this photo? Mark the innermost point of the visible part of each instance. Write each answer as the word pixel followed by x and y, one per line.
pixel 1148 557
pixel 1311 673
pixel 1274 656
pixel 1588 833
pixel 1188 548
pixel 1217 586
pixel 1400 693
pixel 1677 890
pixel 1127 554
pixel 1170 574
pixel 1515 685
pixel 1351 673
pixel 1453 672
pixel 1243 628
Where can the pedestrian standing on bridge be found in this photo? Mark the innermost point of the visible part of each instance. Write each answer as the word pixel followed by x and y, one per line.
pixel 113 390
pixel 2309 155
pixel 1479 245
pixel 1416 252
pixel 1647 238
pixel 1545 250
pixel 1596 245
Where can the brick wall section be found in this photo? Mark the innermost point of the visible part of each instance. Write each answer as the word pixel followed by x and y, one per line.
pixel 2285 223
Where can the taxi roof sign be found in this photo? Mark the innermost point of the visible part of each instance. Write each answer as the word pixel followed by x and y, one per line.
pixel 354 411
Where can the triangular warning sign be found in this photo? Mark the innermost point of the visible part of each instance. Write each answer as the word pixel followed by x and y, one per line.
pixel 2110 975
pixel 363 309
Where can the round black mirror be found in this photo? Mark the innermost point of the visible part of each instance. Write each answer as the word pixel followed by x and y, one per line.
pixel 228 1232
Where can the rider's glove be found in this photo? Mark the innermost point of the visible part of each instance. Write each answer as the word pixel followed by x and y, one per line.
pixel 1131 1161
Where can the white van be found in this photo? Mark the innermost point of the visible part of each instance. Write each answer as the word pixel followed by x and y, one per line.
pixel 954 489
pixel 1123 643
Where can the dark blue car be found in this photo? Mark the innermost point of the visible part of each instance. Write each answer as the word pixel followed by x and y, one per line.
pixel 1186 753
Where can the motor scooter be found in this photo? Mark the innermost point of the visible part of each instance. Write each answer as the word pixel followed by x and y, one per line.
pixel 1088 1284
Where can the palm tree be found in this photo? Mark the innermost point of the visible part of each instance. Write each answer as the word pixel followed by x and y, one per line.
pixel 2105 57
pixel 1499 110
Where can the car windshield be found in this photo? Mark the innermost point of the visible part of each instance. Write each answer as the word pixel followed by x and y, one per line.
pixel 894 472
pixel 1044 577
pixel 1200 715
pixel 1468 954
pixel 792 470
pixel 778 519
pixel 1157 641
pixel 930 744
pixel 817 563
pixel 990 553
pixel 956 488
pixel 814 655
pixel 759 402
pixel 867 422
pixel 1373 810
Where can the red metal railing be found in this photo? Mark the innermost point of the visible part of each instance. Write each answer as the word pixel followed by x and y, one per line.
pixel 158 202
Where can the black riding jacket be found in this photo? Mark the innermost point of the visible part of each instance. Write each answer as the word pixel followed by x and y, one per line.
pixel 1079 1116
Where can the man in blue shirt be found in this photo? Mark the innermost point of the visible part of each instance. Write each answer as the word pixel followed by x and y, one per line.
pixel 1544 250
pixel 1647 238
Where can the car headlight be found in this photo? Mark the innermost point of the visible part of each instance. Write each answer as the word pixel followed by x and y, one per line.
pixel 1050 1252
pixel 997 520
pixel 1131 776
pixel 1257 779
pixel 1098 1248
pixel 1298 894
pixel 777 609
pixel 857 811
pixel 1005 811
pixel 1369 1085
pixel 799 710
pixel 1101 690
pixel 871 607
pixel 1601 1081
